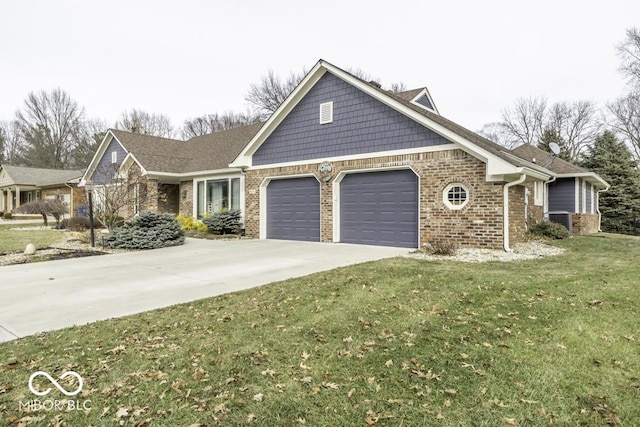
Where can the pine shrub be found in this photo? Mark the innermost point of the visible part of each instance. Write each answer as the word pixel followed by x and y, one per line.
pixel 548 229
pixel 224 222
pixel 148 231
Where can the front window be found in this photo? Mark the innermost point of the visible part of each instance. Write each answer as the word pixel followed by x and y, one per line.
pixel 218 195
pixel 455 196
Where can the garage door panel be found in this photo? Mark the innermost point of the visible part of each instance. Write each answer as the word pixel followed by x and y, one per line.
pixel 293 209
pixel 380 208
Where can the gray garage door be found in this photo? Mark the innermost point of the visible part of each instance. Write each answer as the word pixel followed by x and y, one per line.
pixel 380 208
pixel 293 209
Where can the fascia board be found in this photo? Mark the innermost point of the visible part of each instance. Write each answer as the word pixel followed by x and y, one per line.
pixel 591 177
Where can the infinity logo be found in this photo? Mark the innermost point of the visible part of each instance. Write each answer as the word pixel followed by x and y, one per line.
pixel 55 383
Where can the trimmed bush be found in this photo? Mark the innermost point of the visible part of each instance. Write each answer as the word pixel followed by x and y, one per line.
pixel 77 223
pixel 224 222
pixel 7 215
pixel 441 247
pixel 551 230
pixel 148 231
pixel 191 224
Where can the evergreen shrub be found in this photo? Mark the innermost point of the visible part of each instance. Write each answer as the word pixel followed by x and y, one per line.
pixel 224 222
pixel 548 229
pixel 148 231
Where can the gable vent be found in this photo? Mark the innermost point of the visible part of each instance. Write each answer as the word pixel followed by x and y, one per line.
pixel 326 112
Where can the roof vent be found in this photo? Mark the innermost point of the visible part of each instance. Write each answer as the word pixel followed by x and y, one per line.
pixel 376 84
pixel 326 112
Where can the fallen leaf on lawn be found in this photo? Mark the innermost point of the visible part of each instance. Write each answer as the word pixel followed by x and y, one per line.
pixel 353 390
pixel 510 422
pixel 306 380
pixel 451 391
pixel 330 385
pixel 388 363
pixel 122 412
pixel 117 350
pixel 251 418
pixel 304 355
pixel 530 402
pixel 258 397
pixel 25 421
pixel 269 372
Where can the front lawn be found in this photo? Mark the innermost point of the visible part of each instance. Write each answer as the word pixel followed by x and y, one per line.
pixel 17 240
pixel 401 341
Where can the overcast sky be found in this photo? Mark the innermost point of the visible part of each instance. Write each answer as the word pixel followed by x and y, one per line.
pixel 189 58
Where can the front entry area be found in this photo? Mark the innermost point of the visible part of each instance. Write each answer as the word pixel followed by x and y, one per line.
pixel 380 208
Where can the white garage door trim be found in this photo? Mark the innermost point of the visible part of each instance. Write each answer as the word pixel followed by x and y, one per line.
pixel 336 195
pixel 263 199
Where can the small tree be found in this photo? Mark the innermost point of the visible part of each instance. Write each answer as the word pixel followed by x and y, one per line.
pixel 116 190
pixel 53 207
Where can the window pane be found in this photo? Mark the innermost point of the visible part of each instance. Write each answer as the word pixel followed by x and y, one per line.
pixel 217 196
pixel 235 193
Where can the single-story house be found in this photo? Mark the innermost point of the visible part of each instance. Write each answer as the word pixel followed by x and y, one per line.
pixel 342 160
pixel 20 185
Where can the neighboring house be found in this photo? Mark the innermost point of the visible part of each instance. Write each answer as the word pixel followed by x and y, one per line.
pixel 20 185
pixel 188 177
pixel 342 160
pixel 573 192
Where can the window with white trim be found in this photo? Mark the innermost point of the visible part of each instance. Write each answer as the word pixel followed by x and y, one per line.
pixel 455 196
pixel 217 195
pixel 114 157
pixel 538 193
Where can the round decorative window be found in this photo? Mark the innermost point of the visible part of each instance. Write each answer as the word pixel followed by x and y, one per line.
pixel 455 196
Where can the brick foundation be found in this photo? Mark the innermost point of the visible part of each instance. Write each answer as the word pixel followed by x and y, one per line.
pixel 584 224
pixel 478 224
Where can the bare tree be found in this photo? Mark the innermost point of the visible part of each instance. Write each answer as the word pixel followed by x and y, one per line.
pixel 498 133
pixel 576 125
pixel 139 121
pixel 629 52
pixel 95 130
pixel 12 142
pixel 625 119
pixel 211 123
pixel 50 126
pixel 116 191
pixel 524 123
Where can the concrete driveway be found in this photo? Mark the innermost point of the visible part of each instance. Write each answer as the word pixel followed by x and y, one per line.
pixel 58 294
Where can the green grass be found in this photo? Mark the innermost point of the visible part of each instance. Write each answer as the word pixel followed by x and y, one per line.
pixel 394 342
pixel 17 240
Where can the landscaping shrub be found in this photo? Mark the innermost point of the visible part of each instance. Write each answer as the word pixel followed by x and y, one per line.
pixel 148 231
pixel 551 230
pixel 224 222
pixel 191 224
pixel 6 215
pixel 77 223
pixel 441 247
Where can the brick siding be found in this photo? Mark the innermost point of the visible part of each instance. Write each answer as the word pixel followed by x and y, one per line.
pixel 478 224
pixel 584 224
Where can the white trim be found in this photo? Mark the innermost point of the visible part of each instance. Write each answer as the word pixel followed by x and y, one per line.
pixel 425 92
pixel 445 196
pixel 538 193
pixel 102 149
pixel 593 196
pixel 114 157
pixel 263 199
pixel 430 149
pixel 229 177
pixel 591 177
pixel 336 194
pixel 584 196
pixel 576 188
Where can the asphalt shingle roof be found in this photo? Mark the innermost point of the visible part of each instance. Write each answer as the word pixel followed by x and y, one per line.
pixel 201 153
pixel 545 159
pixel 40 177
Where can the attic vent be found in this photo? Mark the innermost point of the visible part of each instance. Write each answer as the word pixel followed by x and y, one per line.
pixel 326 112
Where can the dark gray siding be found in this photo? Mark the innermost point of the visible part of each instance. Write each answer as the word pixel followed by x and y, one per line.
pixel 424 100
pixel 293 209
pixel 361 124
pixel 105 165
pixel 589 207
pixel 380 208
pixel 562 195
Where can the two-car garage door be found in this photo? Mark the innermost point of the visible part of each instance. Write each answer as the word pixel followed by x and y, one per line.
pixel 376 208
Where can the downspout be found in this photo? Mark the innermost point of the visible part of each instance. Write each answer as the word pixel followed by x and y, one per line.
pixel 598 207
pixel 546 197
pixel 505 210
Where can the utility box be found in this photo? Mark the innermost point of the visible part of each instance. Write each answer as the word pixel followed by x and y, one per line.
pixel 562 217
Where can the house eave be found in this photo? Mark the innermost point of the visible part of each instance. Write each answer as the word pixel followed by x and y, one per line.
pixel 591 177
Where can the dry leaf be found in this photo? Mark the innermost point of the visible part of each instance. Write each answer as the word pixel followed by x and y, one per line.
pixel 122 412
pixel 258 397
